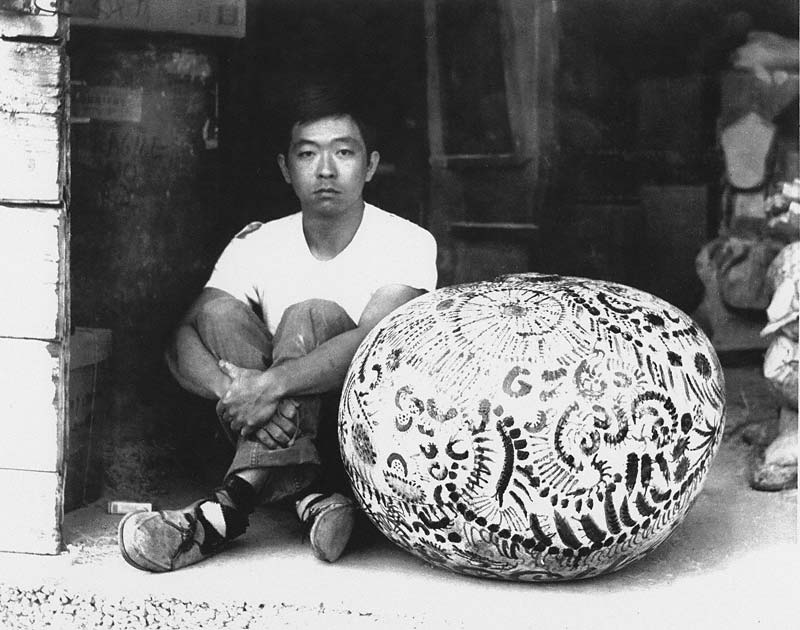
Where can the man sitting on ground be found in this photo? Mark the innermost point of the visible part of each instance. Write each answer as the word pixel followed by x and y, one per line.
pixel 276 326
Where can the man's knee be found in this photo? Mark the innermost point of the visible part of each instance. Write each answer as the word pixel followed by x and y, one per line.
pixel 222 311
pixel 313 308
pixel 222 308
pixel 324 316
pixel 313 321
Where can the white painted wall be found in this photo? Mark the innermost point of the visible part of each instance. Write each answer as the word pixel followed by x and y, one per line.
pixel 33 275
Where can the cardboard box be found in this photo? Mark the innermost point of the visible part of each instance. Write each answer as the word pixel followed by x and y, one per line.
pixel 89 403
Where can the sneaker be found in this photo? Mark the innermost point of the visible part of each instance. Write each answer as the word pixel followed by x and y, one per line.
pixel 162 541
pixel 330 519
pixel 171 539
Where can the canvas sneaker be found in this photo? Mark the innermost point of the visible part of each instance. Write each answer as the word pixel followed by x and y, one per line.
pixel 330 519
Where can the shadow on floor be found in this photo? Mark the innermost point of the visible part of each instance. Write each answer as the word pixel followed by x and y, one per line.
pixel 732 563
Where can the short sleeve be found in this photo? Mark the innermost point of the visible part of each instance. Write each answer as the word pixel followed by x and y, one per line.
pixel 415 264
pixel 231 270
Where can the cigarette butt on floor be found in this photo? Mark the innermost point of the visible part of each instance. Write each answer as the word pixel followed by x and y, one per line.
pixel 126 507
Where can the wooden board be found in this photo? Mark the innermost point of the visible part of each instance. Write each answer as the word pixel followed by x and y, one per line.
pixel 31 272
pixel 31 397
pixel 31 110
pixel 497 100
pixel 30 74
pixel 32 275
pixel 16 20
pixel 435 122
pixel 529 53
pixel 33 525
pixel 30 160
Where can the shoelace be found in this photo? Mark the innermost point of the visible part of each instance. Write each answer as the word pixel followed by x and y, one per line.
pixel 187 535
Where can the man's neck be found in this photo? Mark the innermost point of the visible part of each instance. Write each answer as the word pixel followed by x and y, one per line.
pixel 327 236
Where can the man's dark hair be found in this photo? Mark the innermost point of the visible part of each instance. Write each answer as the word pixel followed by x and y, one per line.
pixel 312 100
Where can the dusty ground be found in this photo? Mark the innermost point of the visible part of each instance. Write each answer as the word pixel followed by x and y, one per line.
pixel 733 563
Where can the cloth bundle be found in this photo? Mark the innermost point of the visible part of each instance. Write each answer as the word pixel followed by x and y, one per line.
pixel 781 360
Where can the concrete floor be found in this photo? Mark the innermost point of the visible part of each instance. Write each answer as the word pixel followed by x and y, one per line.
pixel 732 564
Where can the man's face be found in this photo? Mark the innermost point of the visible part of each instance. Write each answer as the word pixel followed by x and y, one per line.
pixel 327 165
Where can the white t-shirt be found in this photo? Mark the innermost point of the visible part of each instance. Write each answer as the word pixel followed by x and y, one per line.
pixel 270 264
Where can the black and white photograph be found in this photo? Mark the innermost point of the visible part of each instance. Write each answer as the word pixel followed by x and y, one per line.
pixel 399 314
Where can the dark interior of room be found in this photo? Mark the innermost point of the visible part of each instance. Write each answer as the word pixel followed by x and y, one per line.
pixel 156 197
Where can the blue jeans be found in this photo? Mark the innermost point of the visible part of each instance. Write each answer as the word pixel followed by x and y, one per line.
pixel 232 331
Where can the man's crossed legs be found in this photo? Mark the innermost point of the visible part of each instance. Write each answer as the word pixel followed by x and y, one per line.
pixel 232 332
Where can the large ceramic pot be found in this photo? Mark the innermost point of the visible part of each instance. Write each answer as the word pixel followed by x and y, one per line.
pixel 531 428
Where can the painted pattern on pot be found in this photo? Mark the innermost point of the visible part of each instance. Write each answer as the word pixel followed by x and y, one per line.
pixel 531 428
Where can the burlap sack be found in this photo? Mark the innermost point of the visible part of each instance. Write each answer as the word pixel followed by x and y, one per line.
pixel 742 272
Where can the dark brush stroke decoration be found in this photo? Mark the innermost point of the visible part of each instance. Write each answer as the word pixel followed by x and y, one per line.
pixel 567 425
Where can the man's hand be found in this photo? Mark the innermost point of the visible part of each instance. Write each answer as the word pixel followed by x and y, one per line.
pixel 251 400
pixel 282 428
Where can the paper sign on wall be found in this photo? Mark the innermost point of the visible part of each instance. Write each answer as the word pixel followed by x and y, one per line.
pixel 220 18
pixel 106 103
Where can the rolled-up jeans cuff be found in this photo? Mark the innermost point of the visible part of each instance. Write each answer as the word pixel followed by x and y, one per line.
pixel 293 470
pixel 250 453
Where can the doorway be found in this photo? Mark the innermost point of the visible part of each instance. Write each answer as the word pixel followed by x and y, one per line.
pixel 173 152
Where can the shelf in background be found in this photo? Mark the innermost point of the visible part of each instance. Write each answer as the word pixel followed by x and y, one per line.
pixel 479 230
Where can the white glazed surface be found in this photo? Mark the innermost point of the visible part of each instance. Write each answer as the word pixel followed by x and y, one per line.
pixel 531 428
